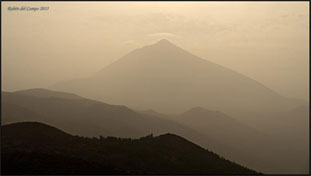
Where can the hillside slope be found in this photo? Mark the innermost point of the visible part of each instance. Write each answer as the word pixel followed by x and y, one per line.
pixel 36 148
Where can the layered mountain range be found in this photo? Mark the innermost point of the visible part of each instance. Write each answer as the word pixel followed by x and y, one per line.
pixel 214 130
pixel 160 89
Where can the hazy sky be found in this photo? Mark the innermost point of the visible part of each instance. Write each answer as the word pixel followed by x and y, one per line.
pixel 267 41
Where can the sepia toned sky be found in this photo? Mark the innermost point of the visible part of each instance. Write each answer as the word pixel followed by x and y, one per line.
pixel 267 41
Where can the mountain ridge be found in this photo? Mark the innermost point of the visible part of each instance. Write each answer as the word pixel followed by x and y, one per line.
pixel 219 132
pixel 164 154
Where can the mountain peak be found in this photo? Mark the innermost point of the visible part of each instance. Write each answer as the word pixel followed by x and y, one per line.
pixel 161 48
pixel 198 109
pixel 164 42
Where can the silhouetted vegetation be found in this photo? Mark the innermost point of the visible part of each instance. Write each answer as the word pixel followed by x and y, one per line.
pixel 36 148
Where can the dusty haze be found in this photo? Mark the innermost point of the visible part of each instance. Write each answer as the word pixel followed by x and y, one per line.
pixel 268 42
pixel 230 77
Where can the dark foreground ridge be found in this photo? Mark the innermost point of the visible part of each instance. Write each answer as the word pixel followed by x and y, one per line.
pixel 36 148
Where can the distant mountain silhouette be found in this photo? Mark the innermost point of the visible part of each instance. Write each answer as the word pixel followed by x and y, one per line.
pixel 168 79
pixel 93 118
pixel 84 116
pixel 291 128
pixel 36 148
pixel 215 122
pixel 153 113
pixel 210 129
pixel 44 93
